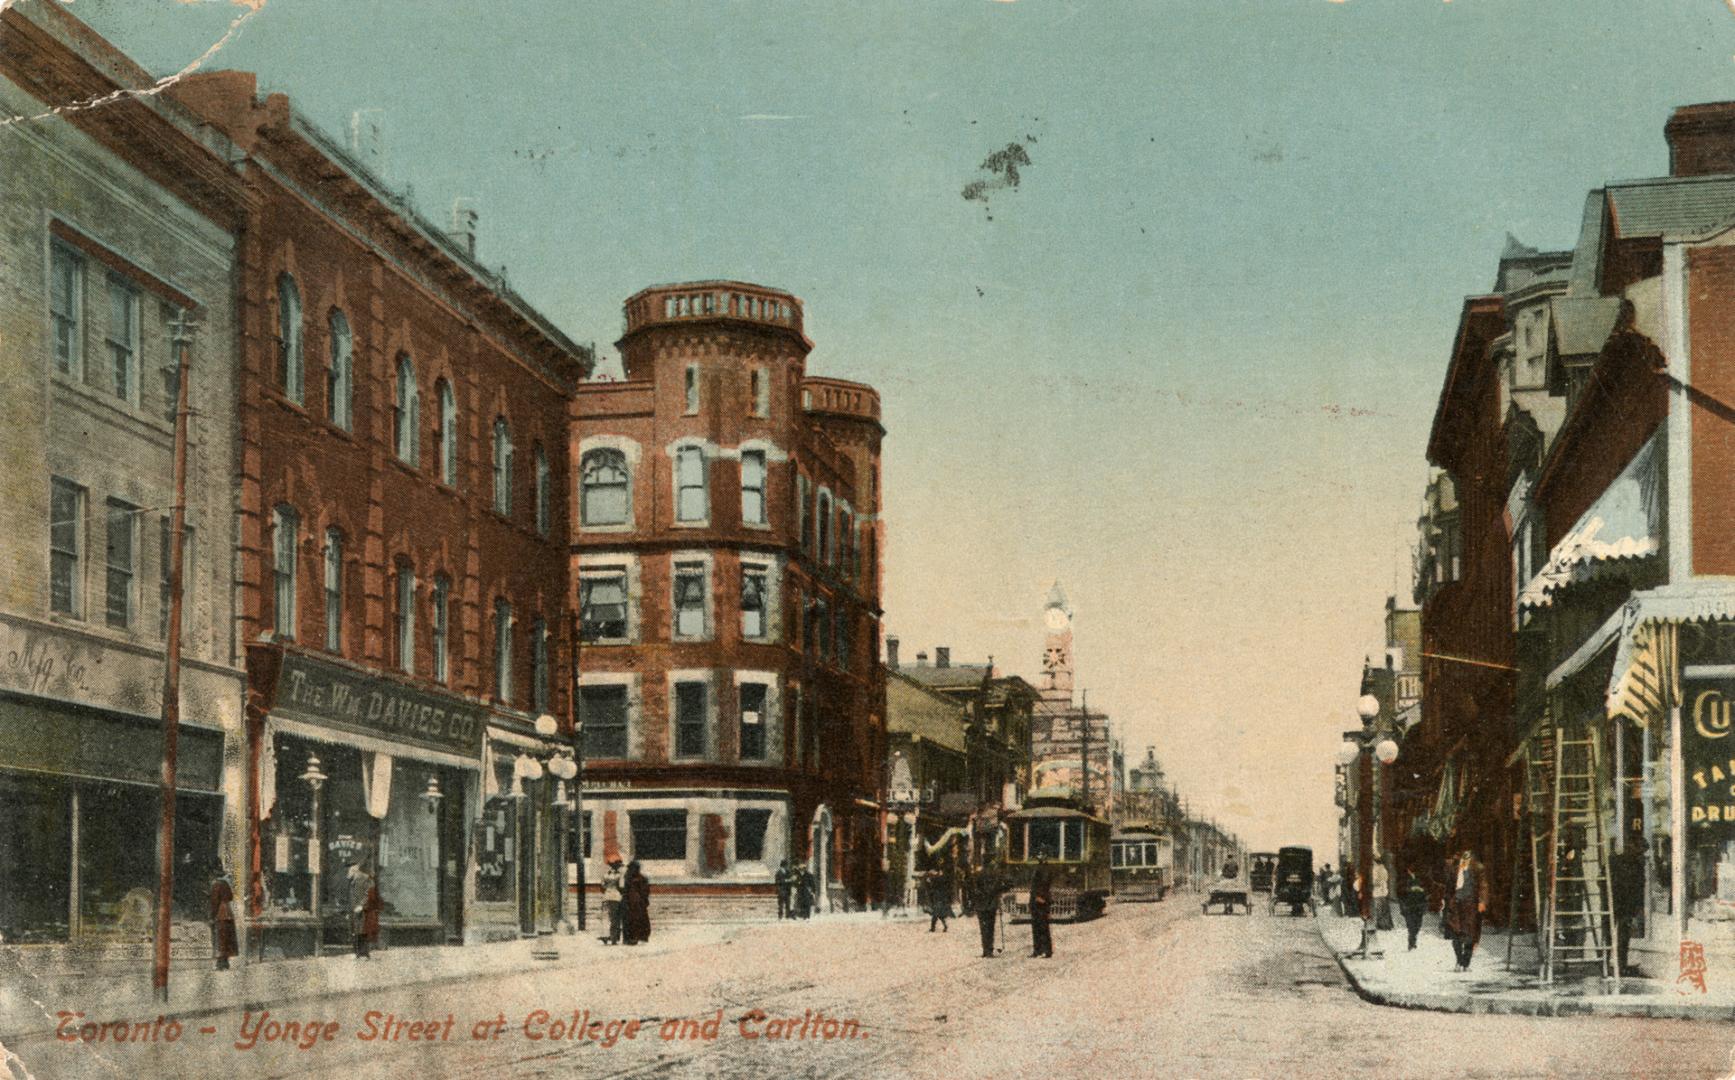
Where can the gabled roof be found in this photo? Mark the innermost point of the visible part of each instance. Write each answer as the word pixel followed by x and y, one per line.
pixel 1582 324
pixel 950 677
pixel 1483 319
pixel 1672 207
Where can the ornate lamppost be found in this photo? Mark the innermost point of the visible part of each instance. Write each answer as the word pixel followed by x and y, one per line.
pixel 1362 748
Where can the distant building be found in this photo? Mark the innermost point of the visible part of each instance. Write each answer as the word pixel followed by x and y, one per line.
pixel 1066 735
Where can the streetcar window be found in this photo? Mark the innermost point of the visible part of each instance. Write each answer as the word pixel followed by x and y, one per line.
pixel 1151 854
pixel 1017 835
pixel 1045 839
pixel 1074 847
pixel 1114 854
pixel 1135 856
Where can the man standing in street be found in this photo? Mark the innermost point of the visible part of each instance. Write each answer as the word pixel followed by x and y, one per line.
pixel 1041 906
pixel 985 899
pixel 1627 883
pixel 612 881
pixel 784 886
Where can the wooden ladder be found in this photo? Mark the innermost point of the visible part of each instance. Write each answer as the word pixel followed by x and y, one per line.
pixel 1579 930
pixel 1536 832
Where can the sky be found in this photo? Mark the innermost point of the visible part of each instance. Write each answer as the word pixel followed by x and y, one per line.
pixel 1186 365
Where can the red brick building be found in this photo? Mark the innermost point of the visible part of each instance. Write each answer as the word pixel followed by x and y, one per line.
pixel 402 568
pixel 726 544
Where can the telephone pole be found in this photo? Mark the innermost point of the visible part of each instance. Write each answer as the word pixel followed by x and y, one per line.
pixel 181 332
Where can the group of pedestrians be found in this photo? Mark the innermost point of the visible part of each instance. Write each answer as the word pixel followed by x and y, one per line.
pixel 984 892
pixel 797 889
pixel 626 900
pixel 1464 901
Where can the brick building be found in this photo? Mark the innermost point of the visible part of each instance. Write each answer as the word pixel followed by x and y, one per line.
pixel 726 549
pixel 402 566
pixel 115 222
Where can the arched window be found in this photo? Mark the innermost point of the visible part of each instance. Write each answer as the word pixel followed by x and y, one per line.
pixel 407 414
pixel 334 589
pixel 543 515
pixel 603 498
pixel 502 467
pixel 284 526
pixel 502 651
pixel 448 434
pixel 539 666
pixel 339 376
pixel 289 362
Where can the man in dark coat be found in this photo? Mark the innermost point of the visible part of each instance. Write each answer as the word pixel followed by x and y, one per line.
pixel 805 890
pixel 1465 905
pixel 1041 906
pixel 783 889
pixel 223 941
pixel 636 905
pixel 1627 883
pixel 1413 902
pixel 364 908
pixel 985 893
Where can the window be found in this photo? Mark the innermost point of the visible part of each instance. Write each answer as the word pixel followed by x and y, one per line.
pixel 689 600
pixel 843 637
pixel 823 553
pixel 753 487
pixel 164 593
pixel 66 308
pixel 340 375
pixel 761 390
pixel 602 606
pixel 334 590
pixel 404 592
pixel 502 467
pixel 692 388
pixel 822 626
pixel 753 589
pixel 123 530
pixel 544 515
pixel 539 666
pixel 448 434
pixel 442 627
pixel 805 512
pixel 750 829
pixel 603 498
pixel 284 525
pixel 406 415
pixel 692 502
pixel 658 834
pixel 603 711
pixel 66 548
pixel 753 720
pixel 690 719
pixel 502 651
pixel 123 337
pixel 289 361
pixel 845 536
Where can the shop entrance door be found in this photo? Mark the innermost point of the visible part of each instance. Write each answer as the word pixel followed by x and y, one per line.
pixel 452 848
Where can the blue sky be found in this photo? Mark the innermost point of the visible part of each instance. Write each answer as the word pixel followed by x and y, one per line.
pixel 1187 366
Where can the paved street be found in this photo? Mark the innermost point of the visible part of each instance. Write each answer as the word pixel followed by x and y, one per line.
pixel 1149 990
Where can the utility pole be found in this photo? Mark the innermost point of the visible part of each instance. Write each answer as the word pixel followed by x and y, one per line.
pixel 181 332
pixel 1084 747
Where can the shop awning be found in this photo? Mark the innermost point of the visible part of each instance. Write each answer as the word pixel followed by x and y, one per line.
pixel 1646 676
pixel 1624 523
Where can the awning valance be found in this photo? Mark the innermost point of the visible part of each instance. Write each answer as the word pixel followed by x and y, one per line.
pixel 1624 523
pixel 1647 673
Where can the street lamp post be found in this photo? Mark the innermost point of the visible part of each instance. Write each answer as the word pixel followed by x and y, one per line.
pixel 1362 748
pixel 559 766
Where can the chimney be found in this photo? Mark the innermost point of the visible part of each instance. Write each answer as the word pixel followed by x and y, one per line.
pixel 367 140
pixel 921 659
pixel 463 228
pixel 1701 139
pixel 942 656
pixel 892 653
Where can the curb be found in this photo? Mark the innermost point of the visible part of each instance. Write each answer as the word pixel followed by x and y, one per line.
pixel 1508 1005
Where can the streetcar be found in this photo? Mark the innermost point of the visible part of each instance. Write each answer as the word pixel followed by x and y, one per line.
pixel 1141 863
pixel 1052 825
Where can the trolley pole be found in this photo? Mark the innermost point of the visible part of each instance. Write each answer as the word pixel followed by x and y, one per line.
pixel 181 332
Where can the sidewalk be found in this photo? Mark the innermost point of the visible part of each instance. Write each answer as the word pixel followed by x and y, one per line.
pixel 1426 979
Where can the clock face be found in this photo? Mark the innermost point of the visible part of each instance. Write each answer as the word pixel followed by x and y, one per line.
pixel 1052 659
pixel 1056 618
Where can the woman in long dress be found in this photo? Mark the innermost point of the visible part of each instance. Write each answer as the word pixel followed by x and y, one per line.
pixel 636 905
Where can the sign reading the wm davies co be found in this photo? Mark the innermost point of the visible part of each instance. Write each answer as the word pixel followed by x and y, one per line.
pixel 1708 751
pixel 348 700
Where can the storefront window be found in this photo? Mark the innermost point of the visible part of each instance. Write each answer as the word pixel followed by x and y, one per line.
pixel 409 852
pixel 497 844
pixel 35 859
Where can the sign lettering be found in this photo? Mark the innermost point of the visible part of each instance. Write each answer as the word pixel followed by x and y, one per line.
pixel 351 701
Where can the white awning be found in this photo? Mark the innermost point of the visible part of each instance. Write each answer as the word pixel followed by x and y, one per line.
pixel 1625 522
pixel 1647 675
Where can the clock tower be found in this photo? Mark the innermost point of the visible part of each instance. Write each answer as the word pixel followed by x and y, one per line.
pixel 1056 688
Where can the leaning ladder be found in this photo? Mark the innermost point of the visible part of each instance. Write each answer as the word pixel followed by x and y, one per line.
pixel 1578 860
pixel 1536 832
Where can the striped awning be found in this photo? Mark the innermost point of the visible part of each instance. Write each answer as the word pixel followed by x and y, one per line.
pixel 1646 679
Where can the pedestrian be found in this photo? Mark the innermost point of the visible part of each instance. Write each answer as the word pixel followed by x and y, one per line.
pixel 223 941
pixel 636 905
pixel 985 902
pixel 1627 884
pixel 1465 906
pixel 1330 885
pixel 939 901
pixel 1041 906
pixel 783 890
pixel 804 886
pixel 1413 902
pixel 1382 896
pixel 612 880
pixel 1231 868
pixel 364 909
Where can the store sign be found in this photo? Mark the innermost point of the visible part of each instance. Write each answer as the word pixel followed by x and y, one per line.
pixel 338 697
pixel 1708 751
